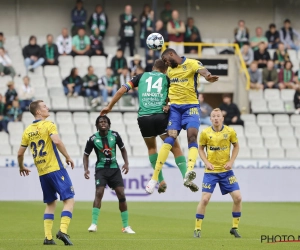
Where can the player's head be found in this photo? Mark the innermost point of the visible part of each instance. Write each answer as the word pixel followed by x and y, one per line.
pixel 102 123
pixel 39 109
pixel 216 117
pixel 160 66
pixel 170 58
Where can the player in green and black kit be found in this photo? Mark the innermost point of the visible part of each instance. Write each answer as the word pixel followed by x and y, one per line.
pixel 107 169
pixel 153 115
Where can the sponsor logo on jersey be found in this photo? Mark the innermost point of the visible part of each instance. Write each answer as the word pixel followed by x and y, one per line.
pixel 106 150
pixel 213 148
pixel 225 136
pixel 177 80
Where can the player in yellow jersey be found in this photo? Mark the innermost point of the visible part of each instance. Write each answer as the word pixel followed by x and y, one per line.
pixel 184 110
pixel 217 140
pixel 43 140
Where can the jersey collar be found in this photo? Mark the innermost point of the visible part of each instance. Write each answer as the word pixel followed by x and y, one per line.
pixel 36 121
pixel 212 127
pixel 183 59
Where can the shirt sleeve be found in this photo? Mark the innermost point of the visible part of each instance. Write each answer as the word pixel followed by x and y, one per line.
pixel 52 129
pixel 196 65
pixel 133 83
pixel 89 146
pixel 203 139
pixel 25 141
pixel 233 137
pixel 119 141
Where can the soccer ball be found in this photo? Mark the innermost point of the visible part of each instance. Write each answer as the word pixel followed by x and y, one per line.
pixel 155 41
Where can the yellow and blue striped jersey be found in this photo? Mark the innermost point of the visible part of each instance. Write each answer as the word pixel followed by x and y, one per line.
pixel 184 82
pixel 44 152
pixel 218 146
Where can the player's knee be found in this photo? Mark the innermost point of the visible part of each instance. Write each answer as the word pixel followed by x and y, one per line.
pixel 237 199
pixel 205 200
pixel 192 138
pixel 122 199
pixel 98 194
pixel 173 133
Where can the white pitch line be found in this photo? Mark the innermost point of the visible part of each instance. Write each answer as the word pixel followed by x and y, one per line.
pixel 130 239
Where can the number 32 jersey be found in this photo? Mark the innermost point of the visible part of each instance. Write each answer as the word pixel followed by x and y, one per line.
pixel 37 136
pixel 152 90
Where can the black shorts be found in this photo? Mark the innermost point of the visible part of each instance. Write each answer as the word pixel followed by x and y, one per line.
pixel 110 176
pixel 153 125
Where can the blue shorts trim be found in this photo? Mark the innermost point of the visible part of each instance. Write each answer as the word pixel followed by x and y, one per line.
pixel 184 116
pixel 54 183
pixel 226 180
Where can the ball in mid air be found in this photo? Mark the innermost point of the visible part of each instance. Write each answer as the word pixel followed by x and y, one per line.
pixel 155 41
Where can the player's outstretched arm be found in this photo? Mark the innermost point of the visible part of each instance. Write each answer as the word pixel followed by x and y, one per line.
pixel 125 168
pixel 23 170
pixel 61 147
pixel 113 101
pixel 203 157
pixel 234 154
pixel 86 166
pixel 207 75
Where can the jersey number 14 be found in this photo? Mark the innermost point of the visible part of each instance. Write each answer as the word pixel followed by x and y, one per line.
pixel 156 85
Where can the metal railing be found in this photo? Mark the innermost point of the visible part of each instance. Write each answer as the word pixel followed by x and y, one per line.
pixel 236 50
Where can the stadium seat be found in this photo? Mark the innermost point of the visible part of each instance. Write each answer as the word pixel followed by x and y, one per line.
pixel 140 150
pixel 59 103
pixel 5 150
pixel 252 131
pixel 130 118
pixel 259 153
pixel 64 118
pixel 255 142
pixel 297 132
pixel 295 120
pixel 27 117
pixel 286 132
pixel 66 61
pixel 271 52
pixel 289 107
pixel 82 71
pixel 271 94
pixel 287 94
pixel 292 54
pixel 5 79
pixel 54 82
pixel 272 142
pixel 269 131
pixel 3 90
pixel 98 61
pixel 255 95
pixel 56 92
pixel 281 120
pixel 66 129
pixel 276 106
pixel 136 140
pixel 276 153
pixel 81 61
pixel 4 138
pixel 242 142
pixel 37 81
pixel 74 150
pixel 264 119
pixel 93 117
pixel 65 71
pixel 289 143
pixel 15 138
pixel 40 92
pixel 15 128
pixel 99 71
pixel 83 137
pixel 244 153
pixel 116 117
pixel 249 119
pixel 127 103
pixel 69 139
pixel 132 129
pixel 83 127
pixel 239 130
pixel 259 106
pixel 81 118
pixel 37 72
pixel 76 103
pixel 51 71
pixel 15 149
pixel 292 153
pixel 46 100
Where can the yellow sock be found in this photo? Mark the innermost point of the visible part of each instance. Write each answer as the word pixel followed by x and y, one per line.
pixel 235 222
pixel 48 224
pixel 192 157
pixel 199 219
pixel 66 217
pixel 236 219
pixel 198 224
pixel 161 159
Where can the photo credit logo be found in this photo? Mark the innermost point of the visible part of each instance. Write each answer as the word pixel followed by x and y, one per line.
pixel 284 238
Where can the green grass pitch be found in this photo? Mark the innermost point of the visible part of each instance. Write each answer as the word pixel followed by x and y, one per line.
pixel 158 226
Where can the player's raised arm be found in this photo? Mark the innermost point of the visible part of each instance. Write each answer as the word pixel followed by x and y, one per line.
pixel 207 75
pixel 61 147
pixel 113 101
